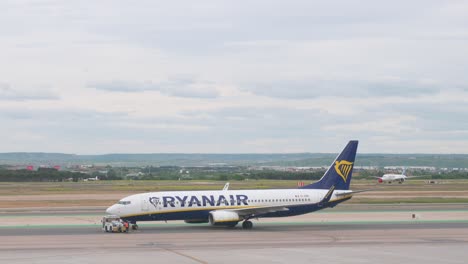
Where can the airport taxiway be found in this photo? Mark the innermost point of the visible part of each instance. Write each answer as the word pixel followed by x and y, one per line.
pixel 346 234
pixel 278 242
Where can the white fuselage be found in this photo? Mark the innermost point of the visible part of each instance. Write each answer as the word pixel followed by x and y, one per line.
pixel 393 177
pixel 195 204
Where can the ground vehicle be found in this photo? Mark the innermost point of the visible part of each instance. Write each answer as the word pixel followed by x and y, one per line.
pixel 113 223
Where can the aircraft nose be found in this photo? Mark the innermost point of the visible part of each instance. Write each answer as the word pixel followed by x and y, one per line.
pixel 111 210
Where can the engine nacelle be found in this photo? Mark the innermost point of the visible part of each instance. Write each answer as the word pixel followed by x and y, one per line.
pixel 196 221
pixel 223 217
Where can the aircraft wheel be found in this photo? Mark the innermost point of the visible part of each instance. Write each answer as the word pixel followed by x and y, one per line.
pixel 247 224
pixel 135 227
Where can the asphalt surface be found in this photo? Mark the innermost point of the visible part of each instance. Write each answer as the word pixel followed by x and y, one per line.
pixel 280 242
pixel 361 237
pixel 275 227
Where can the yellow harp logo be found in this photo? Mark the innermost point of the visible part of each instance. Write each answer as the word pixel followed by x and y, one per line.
pixel 343 168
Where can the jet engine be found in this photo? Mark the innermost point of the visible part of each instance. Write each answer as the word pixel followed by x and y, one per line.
pixel 223 218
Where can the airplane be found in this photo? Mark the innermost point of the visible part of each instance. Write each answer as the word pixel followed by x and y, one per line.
pixel 391 177
pixel 229 207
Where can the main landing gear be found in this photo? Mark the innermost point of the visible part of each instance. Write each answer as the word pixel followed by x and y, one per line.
pixel 247 224
pixel 134 226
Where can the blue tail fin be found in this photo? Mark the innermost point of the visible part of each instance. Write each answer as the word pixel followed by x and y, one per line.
pixel 340 172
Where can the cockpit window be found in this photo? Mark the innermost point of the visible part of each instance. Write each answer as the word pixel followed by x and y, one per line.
pixel 124 202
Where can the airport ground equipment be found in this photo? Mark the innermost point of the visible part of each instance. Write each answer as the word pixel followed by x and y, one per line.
pixel 113 224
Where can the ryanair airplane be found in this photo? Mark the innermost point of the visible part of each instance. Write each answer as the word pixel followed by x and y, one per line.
pixel 229 207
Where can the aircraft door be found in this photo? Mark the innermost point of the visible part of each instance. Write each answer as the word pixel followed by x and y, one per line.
pixel 144 203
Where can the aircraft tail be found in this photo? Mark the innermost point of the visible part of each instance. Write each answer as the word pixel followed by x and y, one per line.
pixel 340 172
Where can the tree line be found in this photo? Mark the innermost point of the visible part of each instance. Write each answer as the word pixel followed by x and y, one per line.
pixel 42 175
pixel 53 175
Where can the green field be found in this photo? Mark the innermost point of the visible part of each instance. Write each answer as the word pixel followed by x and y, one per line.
pixel 105 193
pixel 26 188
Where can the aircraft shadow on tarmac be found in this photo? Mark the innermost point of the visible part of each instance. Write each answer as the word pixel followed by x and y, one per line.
pixel 258 228
pixel 296 227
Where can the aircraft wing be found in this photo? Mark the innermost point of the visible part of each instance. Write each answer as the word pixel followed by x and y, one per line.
pixel 353 192
pixel 257 211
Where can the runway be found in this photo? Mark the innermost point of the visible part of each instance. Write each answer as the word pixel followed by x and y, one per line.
pixel 411 233
pixel 278 242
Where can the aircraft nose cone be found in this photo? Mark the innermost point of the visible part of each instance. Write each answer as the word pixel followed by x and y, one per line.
pixel 111 210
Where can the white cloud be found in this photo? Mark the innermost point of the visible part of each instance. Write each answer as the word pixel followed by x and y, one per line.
pixel 219 76
pixel 9 94
pixel 181 87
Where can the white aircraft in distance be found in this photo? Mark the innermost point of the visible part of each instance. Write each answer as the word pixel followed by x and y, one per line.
pixel 391 177
pixel 229 207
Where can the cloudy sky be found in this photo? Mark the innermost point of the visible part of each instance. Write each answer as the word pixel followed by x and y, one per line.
pixel 257 76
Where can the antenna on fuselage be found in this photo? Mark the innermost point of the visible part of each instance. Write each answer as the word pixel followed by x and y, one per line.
pixel 226 186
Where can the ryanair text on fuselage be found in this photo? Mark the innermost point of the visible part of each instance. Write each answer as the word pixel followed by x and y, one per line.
pixel 189 201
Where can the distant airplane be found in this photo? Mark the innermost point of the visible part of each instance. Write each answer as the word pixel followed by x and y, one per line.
pixel 391 177
pixel 229 207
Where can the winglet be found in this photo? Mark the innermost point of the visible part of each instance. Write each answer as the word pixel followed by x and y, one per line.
pixel 327 197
